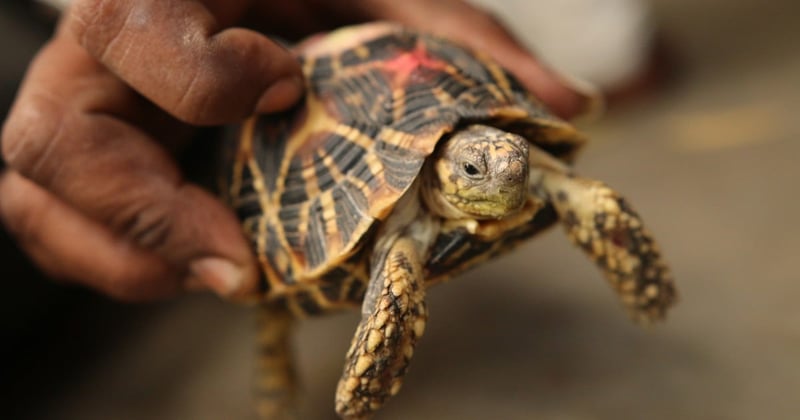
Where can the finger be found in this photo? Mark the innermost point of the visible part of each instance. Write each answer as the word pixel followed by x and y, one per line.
pixel 460 21
pixel 59 136
pixel 178 55
pixel 68 245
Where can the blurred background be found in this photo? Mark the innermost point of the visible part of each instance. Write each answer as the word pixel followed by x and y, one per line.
pixel 701 135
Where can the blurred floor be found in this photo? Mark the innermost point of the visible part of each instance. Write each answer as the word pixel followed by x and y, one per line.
pixel 712 164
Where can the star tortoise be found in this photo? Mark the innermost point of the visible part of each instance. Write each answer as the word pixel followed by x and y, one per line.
pixel 410 159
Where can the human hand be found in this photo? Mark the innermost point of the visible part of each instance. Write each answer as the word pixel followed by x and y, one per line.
pixel 94 192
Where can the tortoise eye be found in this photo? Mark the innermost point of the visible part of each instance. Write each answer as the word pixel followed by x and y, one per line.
pixel 471 170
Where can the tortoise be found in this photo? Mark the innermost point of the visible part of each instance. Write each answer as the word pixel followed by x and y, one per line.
pixel 410 159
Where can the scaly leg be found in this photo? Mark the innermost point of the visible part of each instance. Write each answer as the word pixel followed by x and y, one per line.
pixel 393 319
pixel 275 385
pixel 603 224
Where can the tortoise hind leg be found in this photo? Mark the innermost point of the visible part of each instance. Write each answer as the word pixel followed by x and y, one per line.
pixel 393 319
pixel 603 224
pixel 275 384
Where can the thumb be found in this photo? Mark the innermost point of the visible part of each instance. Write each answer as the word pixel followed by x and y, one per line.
pixel 177 55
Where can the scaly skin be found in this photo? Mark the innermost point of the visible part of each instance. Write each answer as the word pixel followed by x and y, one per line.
pixel 275 384
pixel 393 319
pixel 600 222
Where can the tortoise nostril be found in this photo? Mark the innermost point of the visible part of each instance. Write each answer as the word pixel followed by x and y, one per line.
pixel 516 172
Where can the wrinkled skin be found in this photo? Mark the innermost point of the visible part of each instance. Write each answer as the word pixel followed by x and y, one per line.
pixel 93 191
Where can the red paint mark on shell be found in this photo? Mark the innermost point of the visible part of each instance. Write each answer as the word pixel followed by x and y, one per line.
pixel 407 64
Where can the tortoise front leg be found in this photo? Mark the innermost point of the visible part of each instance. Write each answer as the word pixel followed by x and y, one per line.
pixel 604 225
pixel 393 319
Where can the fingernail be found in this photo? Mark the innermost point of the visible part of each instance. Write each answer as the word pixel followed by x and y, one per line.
pixel 281 95
pixel 593 105
pixel 220 275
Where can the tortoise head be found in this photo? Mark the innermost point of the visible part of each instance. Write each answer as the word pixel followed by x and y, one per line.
pixel 480 172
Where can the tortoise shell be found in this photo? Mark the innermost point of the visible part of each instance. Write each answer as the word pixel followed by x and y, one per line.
pixel 313 184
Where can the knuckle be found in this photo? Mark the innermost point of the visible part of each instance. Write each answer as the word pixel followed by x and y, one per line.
pixel 211 95
pixel 30 131
pixel 147 223
pixel 20 216
pixel 90 20
pixel 234 71
pixel 193 103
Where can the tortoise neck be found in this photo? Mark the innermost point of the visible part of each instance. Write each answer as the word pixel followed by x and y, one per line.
pixel 433 198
